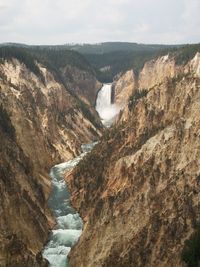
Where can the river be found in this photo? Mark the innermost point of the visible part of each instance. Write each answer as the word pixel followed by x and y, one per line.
pixel 69 224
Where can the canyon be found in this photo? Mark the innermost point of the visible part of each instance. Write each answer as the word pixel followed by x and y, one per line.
pixel 69 224
pixel 133 200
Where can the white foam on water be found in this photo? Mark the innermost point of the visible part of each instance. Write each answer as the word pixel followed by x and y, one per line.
pixel 69 224
pixel 70 221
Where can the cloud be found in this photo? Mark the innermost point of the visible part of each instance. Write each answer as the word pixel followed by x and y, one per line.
pixel 191 20
pixel 62 21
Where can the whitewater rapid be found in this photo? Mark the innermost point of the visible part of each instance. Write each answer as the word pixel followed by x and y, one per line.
pixel 69 224
pixel 104 106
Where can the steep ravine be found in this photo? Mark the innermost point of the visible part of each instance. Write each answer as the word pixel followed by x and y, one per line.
pixel 138 190
pixel 69 224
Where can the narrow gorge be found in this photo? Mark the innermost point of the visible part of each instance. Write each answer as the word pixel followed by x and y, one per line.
pixel 95 172
pixel 69 224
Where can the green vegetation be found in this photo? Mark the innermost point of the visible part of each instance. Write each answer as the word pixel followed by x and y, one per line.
pixel 57 59
pixel 5 123
pixel 191 251
pixel 119 61
pixel 105 60
pixel 111 58
pixel 87 113
pixel 186 53
pixel 9 52
pixel 51 58
pixel 108 47
pixel 135 97
pixel 54 60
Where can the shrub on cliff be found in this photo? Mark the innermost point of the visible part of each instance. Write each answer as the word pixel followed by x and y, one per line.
pixel 186 53
pixel 22 54
pixel 5 123
pixel 135 97
pixel 191 251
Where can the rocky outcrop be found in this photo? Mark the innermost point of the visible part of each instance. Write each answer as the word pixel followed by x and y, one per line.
pixel 24 218
pixel 41 124
pixel 82 82
pixel 138 191
pixel 156 71
pixel 123 87
pixel 153 73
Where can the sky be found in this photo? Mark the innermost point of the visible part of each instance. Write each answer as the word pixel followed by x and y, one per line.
pixel 91 21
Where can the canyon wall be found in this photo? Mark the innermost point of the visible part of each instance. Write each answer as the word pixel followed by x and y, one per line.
pixel 82 82
pixel 41 123
pixel 123 87
pixel 153 73
pixel 138 191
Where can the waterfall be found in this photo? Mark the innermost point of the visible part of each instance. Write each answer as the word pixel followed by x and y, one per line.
pixel 107 111
pixel 68 222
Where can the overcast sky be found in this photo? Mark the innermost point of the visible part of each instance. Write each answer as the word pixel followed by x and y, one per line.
pixel 91 21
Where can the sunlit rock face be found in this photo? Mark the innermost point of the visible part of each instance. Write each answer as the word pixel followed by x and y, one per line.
pixel 104 106
pixel 41 124
pixel 138 191
pixel 123 87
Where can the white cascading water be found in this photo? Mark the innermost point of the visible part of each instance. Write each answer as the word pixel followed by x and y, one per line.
pixel 107 111
pixel 69 224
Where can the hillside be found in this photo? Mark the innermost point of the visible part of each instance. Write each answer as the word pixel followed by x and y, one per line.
pixel 106 59
pixel 69 68
pixel 138 190
pixel 111 58
pixel 41 123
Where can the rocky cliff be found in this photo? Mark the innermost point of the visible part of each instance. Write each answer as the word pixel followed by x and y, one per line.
pixel 138 191
pixel 72 69
pixel 123 87
pixel 153 73
pixel 41 123
pixel 82 82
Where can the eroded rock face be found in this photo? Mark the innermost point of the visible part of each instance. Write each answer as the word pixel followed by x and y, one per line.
pixel 138 191
pixel 123 87
pixel 154 72
pixel 41 124
pixel 83 83
pixel 24 218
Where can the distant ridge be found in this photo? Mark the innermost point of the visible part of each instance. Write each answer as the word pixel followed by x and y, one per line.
pixel 98 48
pixel 108 59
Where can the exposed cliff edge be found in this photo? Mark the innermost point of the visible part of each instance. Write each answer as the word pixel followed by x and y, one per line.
pixel 41 123
pixel 138 191
pixel 123 87
pixel 82 82
pixel 154 72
